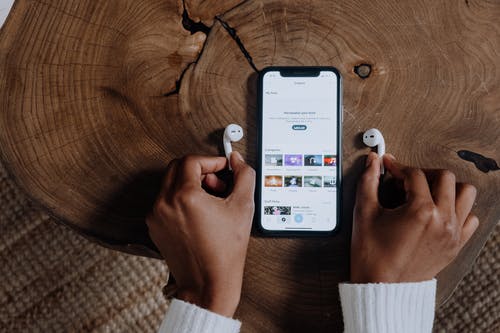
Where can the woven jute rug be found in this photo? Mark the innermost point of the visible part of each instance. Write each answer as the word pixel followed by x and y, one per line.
pixel 53 280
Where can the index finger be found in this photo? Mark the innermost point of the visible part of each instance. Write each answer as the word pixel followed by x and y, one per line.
pixel 193 168
pixel 414 180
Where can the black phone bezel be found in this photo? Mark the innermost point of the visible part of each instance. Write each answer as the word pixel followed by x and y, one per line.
pixel 298 71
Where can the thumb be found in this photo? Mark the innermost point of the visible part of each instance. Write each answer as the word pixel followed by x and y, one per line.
pixel 244 178
pixel 367 193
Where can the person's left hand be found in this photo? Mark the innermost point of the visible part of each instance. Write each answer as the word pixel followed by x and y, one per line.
pixel 204 238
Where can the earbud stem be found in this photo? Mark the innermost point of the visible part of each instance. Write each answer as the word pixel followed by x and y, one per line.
pixel 381 152
pixel 228 149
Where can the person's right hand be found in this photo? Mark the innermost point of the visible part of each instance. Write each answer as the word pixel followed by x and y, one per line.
pixel 203 237
pixel 416 240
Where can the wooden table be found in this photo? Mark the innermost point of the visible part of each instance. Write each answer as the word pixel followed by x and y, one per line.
pixel 97 96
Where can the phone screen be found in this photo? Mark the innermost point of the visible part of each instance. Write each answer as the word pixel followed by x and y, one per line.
pixel 299 159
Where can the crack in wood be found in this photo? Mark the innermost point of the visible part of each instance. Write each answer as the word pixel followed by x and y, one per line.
pixel 178 81
pixel 193 27
pixel 483 163
pixel 232 32
pixel 190 25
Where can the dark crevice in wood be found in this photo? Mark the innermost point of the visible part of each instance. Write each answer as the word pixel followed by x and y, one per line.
pixel 173 92
pixel 178 82
pixel 234 35
pixel 483 163
pixel 467 3
pixel 193 27
pixel 190 25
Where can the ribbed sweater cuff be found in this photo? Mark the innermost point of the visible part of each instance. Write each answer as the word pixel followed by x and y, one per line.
pixel 388 307
pixel 184 317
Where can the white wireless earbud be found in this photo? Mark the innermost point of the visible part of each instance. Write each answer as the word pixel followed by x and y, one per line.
pixel 232 133
pixel 373 137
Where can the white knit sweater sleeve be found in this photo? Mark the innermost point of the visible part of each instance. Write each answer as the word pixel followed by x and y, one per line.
pixel 184 317
pixel 388 307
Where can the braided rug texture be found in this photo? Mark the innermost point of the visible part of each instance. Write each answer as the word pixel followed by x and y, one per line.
pixel 53 280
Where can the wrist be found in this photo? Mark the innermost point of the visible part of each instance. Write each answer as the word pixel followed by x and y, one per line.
pixel 220 301
pixel 373 274
pixel 388 276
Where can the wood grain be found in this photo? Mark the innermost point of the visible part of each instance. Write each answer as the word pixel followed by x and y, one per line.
pixel 205 11
pixel 91 113
pixel 83 107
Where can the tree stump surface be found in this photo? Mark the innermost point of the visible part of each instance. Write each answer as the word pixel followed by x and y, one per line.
pixel 98 96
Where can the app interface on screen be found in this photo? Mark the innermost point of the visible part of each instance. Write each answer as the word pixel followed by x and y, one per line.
pixel 299 152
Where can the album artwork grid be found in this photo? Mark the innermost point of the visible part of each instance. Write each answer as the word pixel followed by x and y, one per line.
pixel 299 160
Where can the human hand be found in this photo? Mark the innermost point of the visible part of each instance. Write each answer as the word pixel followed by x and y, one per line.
pixel 202 237
pixel 416 240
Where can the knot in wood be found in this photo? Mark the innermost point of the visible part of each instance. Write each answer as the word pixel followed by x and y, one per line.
pixel 363 70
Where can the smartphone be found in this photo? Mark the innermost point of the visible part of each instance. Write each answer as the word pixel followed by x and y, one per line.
pixel 300 158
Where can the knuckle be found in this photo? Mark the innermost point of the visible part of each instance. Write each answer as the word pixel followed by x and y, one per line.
pixel 475 219
pixel 187 161
pixel 248 170
pixel 474 224
pixel 454 243
pixel 426 212
pixel 187 197
pixel 449 231
pixel 423 215
pixel 445 215
pixel 470 189
pixel 451 237
pixel 160 208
